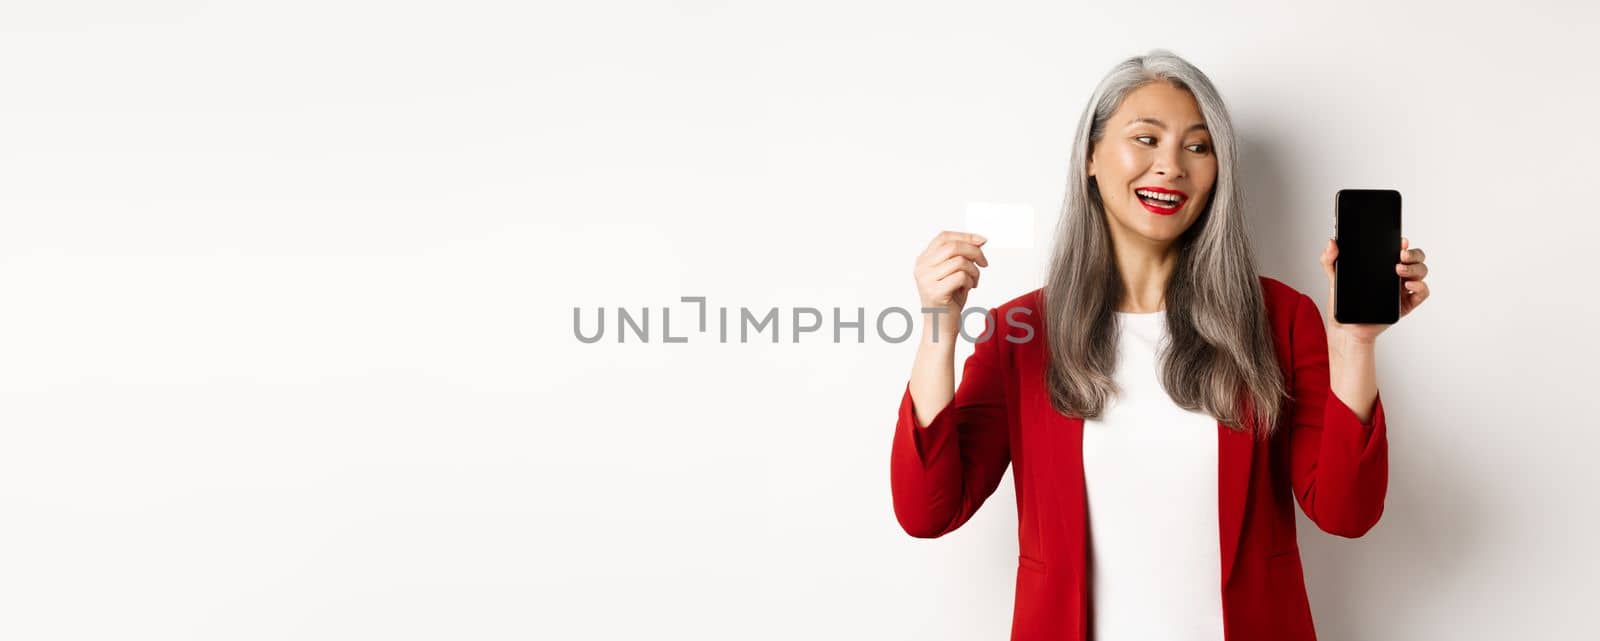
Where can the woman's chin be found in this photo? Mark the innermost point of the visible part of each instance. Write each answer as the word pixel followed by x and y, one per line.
pixel 1161 231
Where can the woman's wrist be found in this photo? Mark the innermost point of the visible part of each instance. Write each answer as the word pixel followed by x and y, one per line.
pixel 1353 373
pixel 940 327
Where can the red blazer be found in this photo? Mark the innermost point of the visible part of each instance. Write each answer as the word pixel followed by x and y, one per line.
pixel 1321 456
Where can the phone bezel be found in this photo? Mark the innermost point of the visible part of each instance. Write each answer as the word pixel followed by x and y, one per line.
pixel 1338 197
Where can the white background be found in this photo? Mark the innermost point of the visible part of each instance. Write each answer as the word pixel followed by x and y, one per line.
pixel 286 293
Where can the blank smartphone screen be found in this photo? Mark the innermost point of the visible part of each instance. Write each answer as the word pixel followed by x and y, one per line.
pixel 1367 289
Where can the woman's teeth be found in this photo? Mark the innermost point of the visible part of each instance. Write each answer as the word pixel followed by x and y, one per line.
pixel 1165 201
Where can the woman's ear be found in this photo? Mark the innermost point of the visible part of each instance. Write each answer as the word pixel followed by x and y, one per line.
pixel 1091 161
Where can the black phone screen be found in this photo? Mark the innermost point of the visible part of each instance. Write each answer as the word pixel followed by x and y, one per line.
pixel 1367 232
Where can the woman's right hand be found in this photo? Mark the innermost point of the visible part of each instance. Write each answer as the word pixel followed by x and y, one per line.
pixel 946 271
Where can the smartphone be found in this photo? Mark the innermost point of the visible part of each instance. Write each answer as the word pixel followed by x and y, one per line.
pixel 1366 228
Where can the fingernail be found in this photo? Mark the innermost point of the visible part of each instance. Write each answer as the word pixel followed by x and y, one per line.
pixel 979 239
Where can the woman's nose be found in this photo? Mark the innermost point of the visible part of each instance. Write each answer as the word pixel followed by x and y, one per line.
pixel 1167 164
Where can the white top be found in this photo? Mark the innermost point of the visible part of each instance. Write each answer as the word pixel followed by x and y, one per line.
pixel 1150 469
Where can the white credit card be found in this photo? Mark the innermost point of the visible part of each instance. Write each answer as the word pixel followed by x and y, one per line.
pixel 1006 225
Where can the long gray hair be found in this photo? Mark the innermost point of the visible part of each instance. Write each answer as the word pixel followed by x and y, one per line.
pixel 1220 348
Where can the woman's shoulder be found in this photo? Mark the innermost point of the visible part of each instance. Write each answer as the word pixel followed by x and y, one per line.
pixel 1024 310
pixel 1020 320
pixel 1029 301
pixel 1287 309
pixel 1279 297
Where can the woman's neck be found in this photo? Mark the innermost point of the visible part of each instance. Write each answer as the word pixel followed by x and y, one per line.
pixel 1145 267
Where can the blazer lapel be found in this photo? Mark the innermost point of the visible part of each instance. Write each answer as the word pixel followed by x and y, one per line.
pixel 1065 469
pixel 1059 458
pixel 1235 454
pixel 1063 465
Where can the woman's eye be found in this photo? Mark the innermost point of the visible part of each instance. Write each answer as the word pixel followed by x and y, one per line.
pixel 1203 147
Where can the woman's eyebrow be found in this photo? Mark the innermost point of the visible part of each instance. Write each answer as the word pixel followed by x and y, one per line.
pixel 1158 123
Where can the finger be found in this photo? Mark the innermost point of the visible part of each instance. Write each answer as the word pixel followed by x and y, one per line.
pixel 1417 291
pixel 1417 271
pixel 958 248
pixel 941 238
pixel 948 235
pixel 955 264
pixel 1411 256
pixel 1330 252
pixel 953 283
pixel 1404 242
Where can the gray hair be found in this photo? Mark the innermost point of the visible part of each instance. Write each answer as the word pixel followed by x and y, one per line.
pixel 1220 350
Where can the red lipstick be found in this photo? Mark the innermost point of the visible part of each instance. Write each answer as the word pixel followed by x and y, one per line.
pixel 1166 208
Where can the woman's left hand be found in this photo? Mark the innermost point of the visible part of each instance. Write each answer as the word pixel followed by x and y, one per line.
pixel 1411 270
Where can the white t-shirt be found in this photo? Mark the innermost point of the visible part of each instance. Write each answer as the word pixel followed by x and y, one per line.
pixel 1150 469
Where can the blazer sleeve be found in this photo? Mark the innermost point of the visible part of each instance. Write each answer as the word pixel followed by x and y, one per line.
pixel 940 473
pixel 1339 467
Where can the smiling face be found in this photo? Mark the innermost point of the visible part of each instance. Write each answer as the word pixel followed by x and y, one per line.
pixel 1154 167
